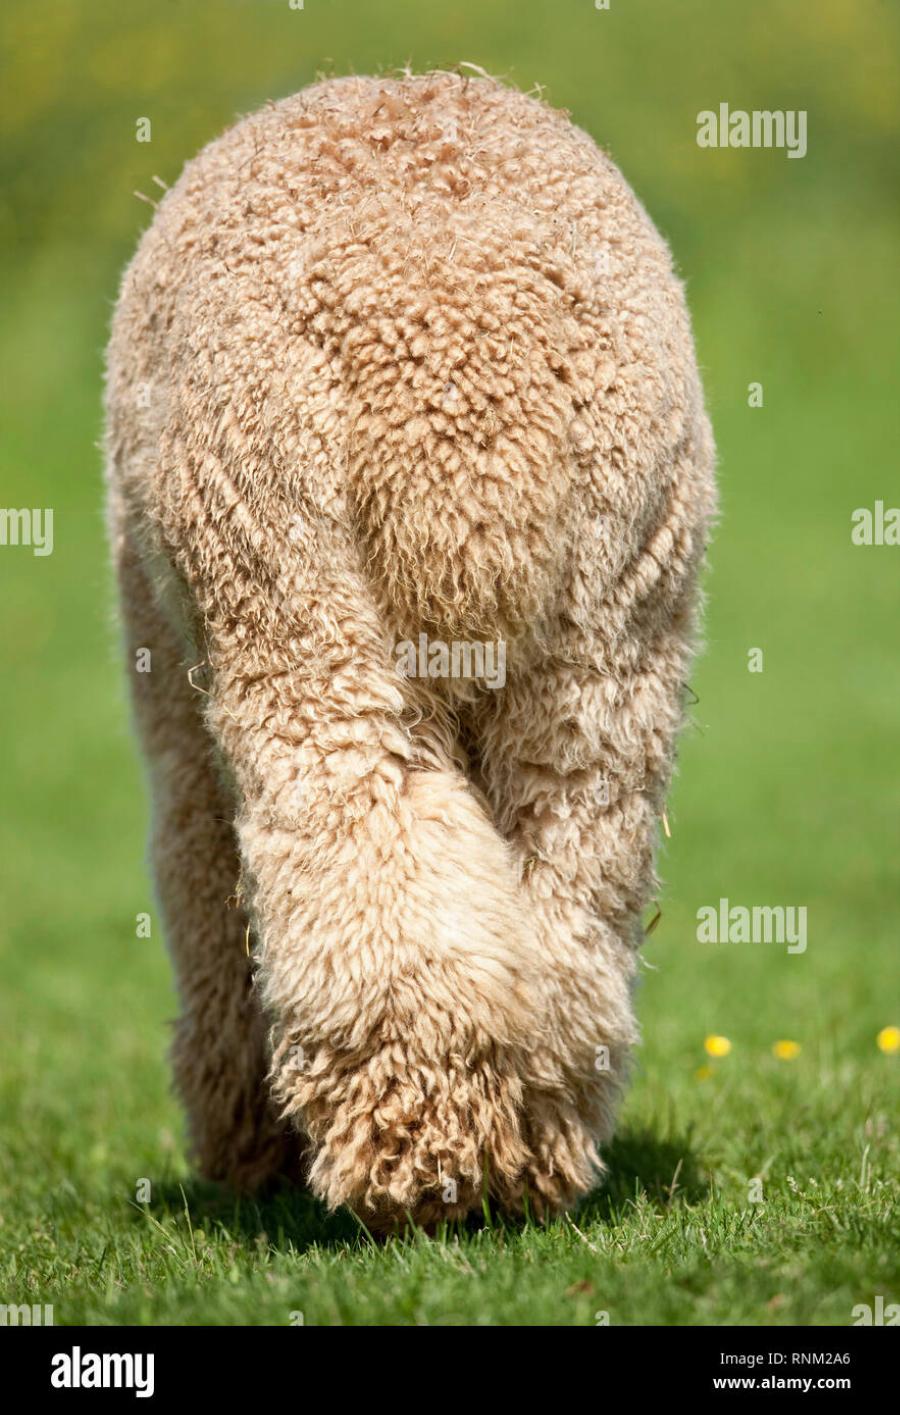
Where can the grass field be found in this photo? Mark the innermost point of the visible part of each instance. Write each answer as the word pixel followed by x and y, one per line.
pixel 787 792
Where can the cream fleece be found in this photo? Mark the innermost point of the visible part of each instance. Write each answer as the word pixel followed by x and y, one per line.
pixel 401 358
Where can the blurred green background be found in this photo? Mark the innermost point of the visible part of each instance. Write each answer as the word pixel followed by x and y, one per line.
pixel 788 790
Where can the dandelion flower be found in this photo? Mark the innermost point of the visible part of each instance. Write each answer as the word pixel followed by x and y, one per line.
pixel 717 1046
pixel 888 1040
pixel 786 1051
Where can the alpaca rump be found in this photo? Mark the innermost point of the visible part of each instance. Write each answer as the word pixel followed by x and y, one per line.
pixel 405 357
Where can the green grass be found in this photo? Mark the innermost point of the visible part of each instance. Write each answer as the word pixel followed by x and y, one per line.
pixel 787 793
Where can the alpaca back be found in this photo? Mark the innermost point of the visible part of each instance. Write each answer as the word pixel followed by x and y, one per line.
pixel 430 308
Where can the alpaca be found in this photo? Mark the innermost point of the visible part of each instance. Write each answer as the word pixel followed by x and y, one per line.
pixel 403 361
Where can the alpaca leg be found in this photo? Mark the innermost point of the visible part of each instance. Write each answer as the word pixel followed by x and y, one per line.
pixel 393 957
pixel 219 1047
pixel 576 754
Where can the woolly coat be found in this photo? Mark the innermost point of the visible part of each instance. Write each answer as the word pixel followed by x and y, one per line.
pixel 401 358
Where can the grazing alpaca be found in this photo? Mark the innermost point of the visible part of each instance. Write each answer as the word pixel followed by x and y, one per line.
pixel 401 375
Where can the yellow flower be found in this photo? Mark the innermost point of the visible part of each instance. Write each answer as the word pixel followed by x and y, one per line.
pixel 717 1046
pixel 888 1040
pixel 786 1051
pixel 703 1073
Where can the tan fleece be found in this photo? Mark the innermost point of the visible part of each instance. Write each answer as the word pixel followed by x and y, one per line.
pixel 401 358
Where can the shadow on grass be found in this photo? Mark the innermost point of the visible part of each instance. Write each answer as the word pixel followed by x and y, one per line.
pixel 640 1166
pixel 285 1215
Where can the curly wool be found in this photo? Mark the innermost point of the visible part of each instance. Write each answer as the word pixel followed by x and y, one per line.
pixel 401 357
